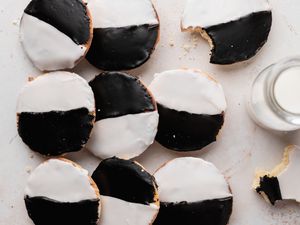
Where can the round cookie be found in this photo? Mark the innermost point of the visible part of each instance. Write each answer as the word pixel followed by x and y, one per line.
pixel 60 192
pixel 126 116
pixel 192 191
pixel 128 193
pixel 125 33
pixel 236 34
pixel 56 112
pixel 56 34
pixel 191 108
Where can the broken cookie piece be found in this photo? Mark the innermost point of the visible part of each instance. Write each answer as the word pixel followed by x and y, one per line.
pixel 236 34
pixel 281 183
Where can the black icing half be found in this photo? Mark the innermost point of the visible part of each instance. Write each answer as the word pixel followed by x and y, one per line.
pixel 183 131
pixel 208 212
pixel 68 16
pixel 270 186
pixel 122 48
pixel 56 132
pixel 241 39
pixel 118 94
pixel 44 211
pixel 125 180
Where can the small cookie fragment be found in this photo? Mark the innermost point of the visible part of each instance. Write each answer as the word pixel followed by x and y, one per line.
pixel 282 182
pixel 125 33
pixel 56 112
pixel 126 116
pixel 60 192
pixel 236 34
pixel 191 107
pixel 128 193
pixel 56 34
pixel 192 191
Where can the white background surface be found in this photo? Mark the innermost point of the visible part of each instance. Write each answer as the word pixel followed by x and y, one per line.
pixel 242 147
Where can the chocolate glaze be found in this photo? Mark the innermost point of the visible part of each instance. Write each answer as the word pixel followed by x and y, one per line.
pixel 118 94
pixel 270 186
pixel 68 16
pixel 209 212
pixel 122 48
pixel 44 211
pixel 239 40
pixel 56 132
pixel 126 180
pixel 183 131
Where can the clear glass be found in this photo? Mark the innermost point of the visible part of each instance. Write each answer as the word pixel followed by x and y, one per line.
pixel 263 106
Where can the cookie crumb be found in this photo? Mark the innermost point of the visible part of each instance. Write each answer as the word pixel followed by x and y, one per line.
pixel 28 169
pixel 171 43
pixel 15 22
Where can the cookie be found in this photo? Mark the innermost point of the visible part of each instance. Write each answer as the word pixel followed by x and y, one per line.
pixel 282 182
pixel 238 31
pixel 125 33
pixel 128 193
pixel 126 116
pixel 191 107
pixel 55 113
pixel 192 191
pixel 60 192
pixel 56 34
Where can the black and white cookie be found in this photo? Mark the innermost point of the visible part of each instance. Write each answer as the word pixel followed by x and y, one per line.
pixel 191 192
pixel 191 108
pixel 126 116
pixel 128 193
pixel 56 112
pixel 282 183
pixel 56 34
pixel 125 33
pixel 236 30
pixel 61 192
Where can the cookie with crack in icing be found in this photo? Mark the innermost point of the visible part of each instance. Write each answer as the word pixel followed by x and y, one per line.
pixel 128 191
pixel 126 116
pixel 191 107
pixel 191 192
pixel 125 33
pixel 56 34
pixel 60 192
pixel 56 113
pixel 281 183
pixel 236 34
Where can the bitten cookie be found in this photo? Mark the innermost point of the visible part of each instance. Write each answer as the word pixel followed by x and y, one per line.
pixel 192 191
pixel 126 116
pixel 282 182
pixel 191 107
pixel 128 193
pixel 55 113
pixel 236 30
pixel 56 34
pixel 60 192
pixel 125 33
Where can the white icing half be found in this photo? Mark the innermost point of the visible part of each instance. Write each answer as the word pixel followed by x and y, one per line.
pixel 203 13
pixel 188 90
pixel 119 212
pixel 190 179
pixel 289 178
pixel 61 181
pixel 125 137
pixel 287 91
pixel 120 13
pixel 48 48
pixel 56 91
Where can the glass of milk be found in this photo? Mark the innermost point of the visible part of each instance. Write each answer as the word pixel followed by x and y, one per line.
pixel 275 96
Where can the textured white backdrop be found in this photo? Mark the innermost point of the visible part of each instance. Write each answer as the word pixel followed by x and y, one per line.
pixel 242 146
